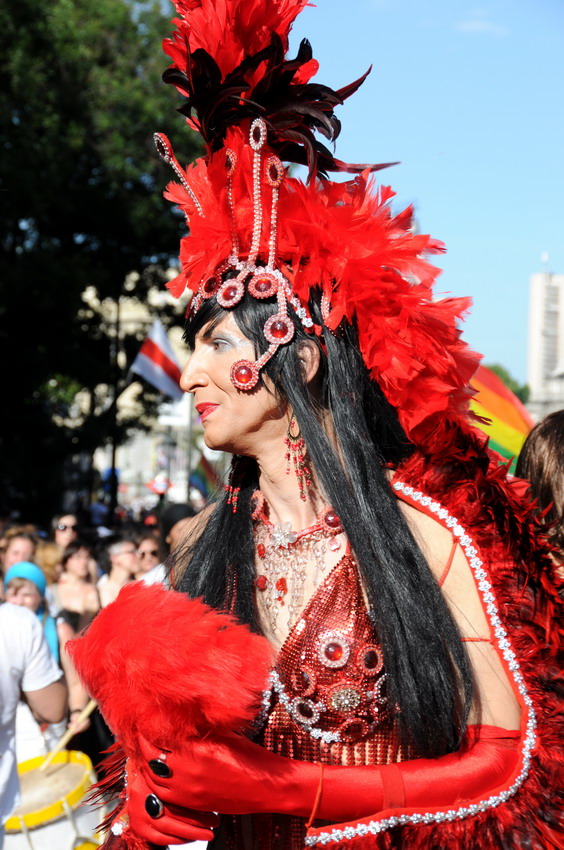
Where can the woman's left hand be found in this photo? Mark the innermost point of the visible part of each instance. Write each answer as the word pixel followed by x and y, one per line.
pixel 228 774
pixel 163 826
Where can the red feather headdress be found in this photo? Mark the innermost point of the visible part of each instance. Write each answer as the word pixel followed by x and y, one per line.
pixel 254 228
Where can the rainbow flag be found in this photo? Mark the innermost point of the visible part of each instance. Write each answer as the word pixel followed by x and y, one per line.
pixel 510 420
pixel 204 477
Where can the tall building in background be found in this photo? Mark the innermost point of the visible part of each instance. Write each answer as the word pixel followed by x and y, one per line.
pixel 545 372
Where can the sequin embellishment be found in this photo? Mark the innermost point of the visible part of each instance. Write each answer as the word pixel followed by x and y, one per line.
pixel 345 700
pixel 334 649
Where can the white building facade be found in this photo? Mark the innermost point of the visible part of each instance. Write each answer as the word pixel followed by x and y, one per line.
pixel 545 365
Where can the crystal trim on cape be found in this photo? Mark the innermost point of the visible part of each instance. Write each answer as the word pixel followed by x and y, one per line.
pixel 374 827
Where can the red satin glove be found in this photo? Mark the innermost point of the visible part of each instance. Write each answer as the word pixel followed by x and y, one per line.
pixel 175 826
pixel 231 775
pixel 482 765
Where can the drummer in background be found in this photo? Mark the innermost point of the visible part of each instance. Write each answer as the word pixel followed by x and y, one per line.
pixel 26 668
pixel 25 585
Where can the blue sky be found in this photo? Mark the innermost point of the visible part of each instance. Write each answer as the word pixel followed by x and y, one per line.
pixel 469 99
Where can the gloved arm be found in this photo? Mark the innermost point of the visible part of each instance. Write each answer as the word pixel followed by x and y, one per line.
pixel 349 793
pixel 232 775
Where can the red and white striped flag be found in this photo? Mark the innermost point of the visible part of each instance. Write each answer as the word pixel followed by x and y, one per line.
pixel 157 364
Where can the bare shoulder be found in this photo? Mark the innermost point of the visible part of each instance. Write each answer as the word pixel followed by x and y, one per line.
pixel 434 540
pixel 449 565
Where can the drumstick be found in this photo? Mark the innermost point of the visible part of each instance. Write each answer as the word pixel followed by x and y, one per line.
pixel 64 739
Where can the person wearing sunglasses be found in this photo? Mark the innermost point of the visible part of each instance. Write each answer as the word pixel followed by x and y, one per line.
pixel 148 554
pixel 64 529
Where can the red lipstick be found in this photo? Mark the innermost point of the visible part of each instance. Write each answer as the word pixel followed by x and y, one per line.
pixel 204 409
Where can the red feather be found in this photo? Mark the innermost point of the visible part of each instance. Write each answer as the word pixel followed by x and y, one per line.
pixel 381 278
pixel 229 30
pixel 166 667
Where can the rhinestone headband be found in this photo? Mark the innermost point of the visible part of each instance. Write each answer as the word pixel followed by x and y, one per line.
pixel 261 281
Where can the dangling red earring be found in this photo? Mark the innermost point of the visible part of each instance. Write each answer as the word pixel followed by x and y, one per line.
pixel 295 456
pixel 232 488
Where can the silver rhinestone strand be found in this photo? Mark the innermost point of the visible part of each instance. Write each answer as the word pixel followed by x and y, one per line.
pixel 374 827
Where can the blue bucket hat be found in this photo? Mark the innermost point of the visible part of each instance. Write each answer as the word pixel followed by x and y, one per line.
pixel 30 572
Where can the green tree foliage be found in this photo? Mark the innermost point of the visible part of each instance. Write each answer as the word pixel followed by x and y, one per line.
pixel 520 390
pixel 80 206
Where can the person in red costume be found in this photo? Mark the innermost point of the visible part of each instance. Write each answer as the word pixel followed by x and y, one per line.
pixel 366 531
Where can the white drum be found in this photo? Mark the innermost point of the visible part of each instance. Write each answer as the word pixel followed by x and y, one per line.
pixel 52 815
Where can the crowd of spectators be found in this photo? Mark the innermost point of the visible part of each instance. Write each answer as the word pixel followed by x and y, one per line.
pixel 64 574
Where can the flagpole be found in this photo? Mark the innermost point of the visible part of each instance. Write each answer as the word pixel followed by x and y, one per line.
pixel 113 414
pixel 190 442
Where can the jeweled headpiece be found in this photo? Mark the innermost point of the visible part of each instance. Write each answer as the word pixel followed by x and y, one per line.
pixel 254 228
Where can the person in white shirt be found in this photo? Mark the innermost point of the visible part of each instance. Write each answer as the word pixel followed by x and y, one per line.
pixel 26 666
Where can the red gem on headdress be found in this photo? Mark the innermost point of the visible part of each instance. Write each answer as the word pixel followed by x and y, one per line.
pixel 230 293
pixel 279 329
pixel 244 375
pixel 263 285
pixel 261 550
pixel 210 287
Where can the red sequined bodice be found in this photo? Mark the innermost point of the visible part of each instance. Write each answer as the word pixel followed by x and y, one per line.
pixel 328 701
pixel 329 697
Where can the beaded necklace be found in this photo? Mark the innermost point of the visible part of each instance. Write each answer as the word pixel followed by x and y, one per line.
pixel 284 555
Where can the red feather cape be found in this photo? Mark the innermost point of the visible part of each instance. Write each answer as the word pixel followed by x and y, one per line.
pixel 471 484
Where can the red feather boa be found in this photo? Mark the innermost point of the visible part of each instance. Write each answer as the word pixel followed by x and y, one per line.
pixel 166 667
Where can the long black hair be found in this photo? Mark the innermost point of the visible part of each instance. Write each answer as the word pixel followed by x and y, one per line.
pixel 428 670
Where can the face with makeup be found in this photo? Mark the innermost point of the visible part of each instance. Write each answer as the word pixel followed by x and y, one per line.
pixel 234 420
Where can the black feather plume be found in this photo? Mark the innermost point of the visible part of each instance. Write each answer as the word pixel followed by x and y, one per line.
pixel 293 111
